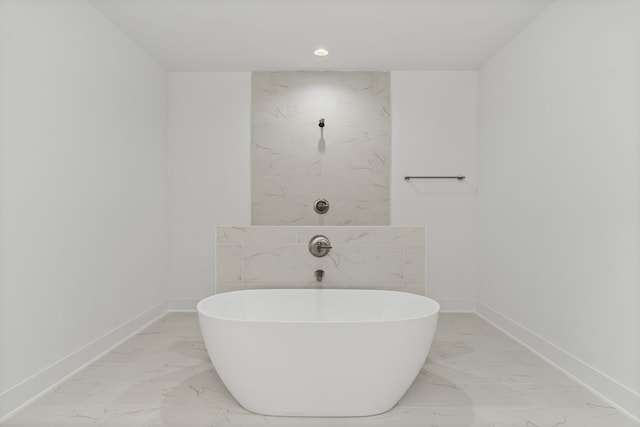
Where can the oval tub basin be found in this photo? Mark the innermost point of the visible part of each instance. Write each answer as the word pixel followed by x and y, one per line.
pixel 326 353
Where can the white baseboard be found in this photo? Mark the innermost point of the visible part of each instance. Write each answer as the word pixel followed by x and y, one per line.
pixel 21 395
pixel 605 387
pixel 456 305
pixel 183 304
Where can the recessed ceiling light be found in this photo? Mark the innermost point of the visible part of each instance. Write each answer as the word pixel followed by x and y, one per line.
pixel 321 52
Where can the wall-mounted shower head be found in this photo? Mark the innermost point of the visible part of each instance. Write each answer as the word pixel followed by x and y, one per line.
pixel 321 124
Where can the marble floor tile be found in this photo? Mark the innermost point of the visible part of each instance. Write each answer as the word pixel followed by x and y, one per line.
pixel 495 366
pixel 459 325
pixel 235 417
pixel 474 417
pixel 461 343
pixel 475 376
pixel 82 416
pixel 397 417
pixel 183 416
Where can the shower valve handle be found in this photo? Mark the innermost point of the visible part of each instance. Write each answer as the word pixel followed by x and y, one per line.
pixel 319 246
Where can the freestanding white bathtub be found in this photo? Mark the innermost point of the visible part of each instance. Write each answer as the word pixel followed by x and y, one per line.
pixel 326 352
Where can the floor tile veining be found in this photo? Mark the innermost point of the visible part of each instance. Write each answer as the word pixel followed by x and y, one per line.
pixel 475 376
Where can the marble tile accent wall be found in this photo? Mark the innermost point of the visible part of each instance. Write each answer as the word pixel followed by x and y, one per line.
pixel 254 257
pixel 294 161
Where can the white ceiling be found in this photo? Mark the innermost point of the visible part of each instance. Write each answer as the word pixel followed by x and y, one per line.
pixel 209 35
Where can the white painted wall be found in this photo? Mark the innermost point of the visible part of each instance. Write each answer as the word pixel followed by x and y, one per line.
pixel 434 133
pixel 560 187
pixel 82 199
pixel 209 178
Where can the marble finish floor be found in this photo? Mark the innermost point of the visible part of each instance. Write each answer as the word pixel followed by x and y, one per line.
pixel 474 376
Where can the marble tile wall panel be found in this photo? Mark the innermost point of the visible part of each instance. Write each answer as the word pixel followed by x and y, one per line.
pixel 362 257
pixel 294 162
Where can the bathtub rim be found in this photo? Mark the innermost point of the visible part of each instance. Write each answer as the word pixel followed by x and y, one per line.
pixel 435 312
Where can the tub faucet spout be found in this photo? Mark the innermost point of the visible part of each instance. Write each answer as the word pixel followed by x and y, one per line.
pixel 319 275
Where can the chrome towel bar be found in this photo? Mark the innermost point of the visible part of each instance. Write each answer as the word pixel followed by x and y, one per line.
pixel 458 177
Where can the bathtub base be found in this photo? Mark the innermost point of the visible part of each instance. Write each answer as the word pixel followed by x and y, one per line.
pixel 322 414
